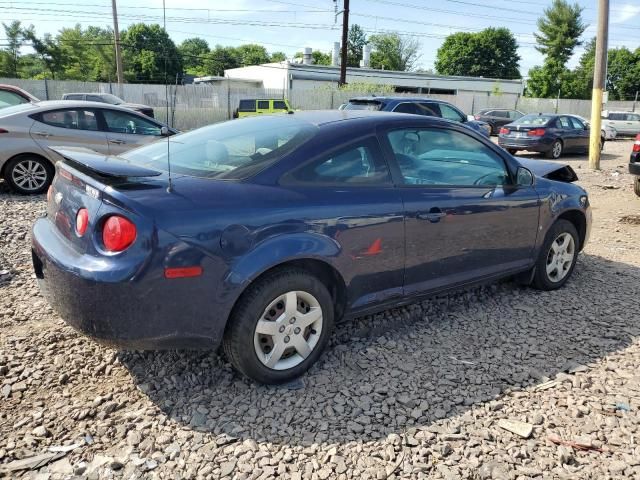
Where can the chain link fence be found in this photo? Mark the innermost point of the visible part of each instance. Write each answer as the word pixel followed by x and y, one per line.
pixel 191 106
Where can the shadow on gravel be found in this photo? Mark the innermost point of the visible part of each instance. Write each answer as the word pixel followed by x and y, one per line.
pixel 407 367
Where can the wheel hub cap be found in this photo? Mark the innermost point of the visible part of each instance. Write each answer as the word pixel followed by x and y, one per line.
pixel 29 175
pixel 560 257
pixel 288 330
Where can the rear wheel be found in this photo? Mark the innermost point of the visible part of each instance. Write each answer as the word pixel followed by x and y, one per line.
pixel 512 151
pixel 556 150
pixel 636 185
pixel 557 257
pixel 29 174
pixel 280 327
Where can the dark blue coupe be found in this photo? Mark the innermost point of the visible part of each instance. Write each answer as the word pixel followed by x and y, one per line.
pixel 269 229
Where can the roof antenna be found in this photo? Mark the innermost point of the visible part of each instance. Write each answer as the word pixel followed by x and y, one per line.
pixel 166 96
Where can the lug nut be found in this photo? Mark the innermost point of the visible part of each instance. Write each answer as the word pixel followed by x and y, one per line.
pixel 286 339
pixel 282 329
pixel 297 330
pixel 292 320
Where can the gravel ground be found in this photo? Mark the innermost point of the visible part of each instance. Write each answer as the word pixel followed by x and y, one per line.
pixel 417 392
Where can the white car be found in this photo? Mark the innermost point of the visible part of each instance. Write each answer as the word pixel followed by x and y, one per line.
pixel 607 131
pixel 625 123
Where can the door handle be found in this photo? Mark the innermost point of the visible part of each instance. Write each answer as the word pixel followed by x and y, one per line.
pixel 434 215
pixel 42 134
pixel 117 141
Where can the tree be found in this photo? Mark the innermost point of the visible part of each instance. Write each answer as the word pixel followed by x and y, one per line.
pixel 392 51
pixel 356 41
pixel 220 59
pixel 278 57
pixel 86 55
pixel 15 39
pixel 317 57
pixel 149 54
pixel 48 52
pixel 252 54
pixel 193 51
pixel 492 53
pixel 559 33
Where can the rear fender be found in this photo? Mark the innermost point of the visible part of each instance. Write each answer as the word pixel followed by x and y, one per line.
pixel 557 203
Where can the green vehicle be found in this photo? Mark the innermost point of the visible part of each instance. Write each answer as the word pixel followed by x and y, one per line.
pixel 262 106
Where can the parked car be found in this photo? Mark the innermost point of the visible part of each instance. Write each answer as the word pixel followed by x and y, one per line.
pixel 27 132
pixel 275 227
pixel 111 100
pixel 549 133
pixel 634 165
pixel 497 117
pixel 261 106
pixel 10 95
pixel 625 123
pixel 607 132
pixel 418 106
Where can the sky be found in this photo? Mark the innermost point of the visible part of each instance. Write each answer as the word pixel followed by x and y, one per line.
pixel 290 25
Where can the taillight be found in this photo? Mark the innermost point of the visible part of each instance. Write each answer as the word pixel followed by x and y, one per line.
pixel 636 144
pixel 82 221
pixel 2 130
pixel 118 233
pixel 504 131
pixel 536 132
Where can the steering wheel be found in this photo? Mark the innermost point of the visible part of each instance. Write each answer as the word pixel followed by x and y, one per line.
pixel 479 181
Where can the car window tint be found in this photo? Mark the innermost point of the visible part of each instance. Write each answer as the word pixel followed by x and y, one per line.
pixel 450 113
pixel 247 106
pixel 263 104
pixel 499 114
pixel 73 97
pixel 616 116
pixel 576 123
pixel 407 107
pixel 434 108
pixel 563 122
pixel 279 105
pixel 633 117
pixel 358 164
pixel 445 158
pixel 95 98
pixel 11 98
pixel 513 114
pixel 363 105
pixel 534 120
pixel 123 122
pixel 78 119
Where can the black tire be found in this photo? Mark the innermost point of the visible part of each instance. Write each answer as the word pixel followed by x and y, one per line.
pixel 238 343
pixel 541 279
pixel 555 152
pixel 602 140
pixel 41 169
pixel 636 185
pixel 512 151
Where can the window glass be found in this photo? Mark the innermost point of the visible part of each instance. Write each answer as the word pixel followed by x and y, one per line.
pixel 78 119
pixel 616 116
pixel 499 114
pixel 228 150
pixel 450 113
pixel 279 105
pixel 356 165
pixel 95 98
pixel 11 98
pixel 633 117
pixel 577 124
pixel 247 106
pixel 74 96
pixel 263 104
pixel 563 122
pixel 534 120
pixel 123 122
pixel 433 109
pixel 407 107
pixel 513 114
pixel 445 157
pixel 363 105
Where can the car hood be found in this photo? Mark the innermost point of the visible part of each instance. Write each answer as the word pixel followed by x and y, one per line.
pixel 548 169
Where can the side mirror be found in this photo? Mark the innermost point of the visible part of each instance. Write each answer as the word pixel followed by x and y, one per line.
pixel 164 132
pixel 524 177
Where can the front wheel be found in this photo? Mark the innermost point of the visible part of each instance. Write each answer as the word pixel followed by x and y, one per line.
pixel 636 185
pixel 29 174
pixel 280 327
pixel 556 150
pixel 557 257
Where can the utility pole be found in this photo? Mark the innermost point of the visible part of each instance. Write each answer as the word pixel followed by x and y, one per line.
pixel 345 34
pixel 116 34
pixel 599 73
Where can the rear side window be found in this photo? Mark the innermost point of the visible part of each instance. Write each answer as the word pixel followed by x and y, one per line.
pixel 73 96
pixel 500 114
pixel 77 119
pixel 95 98
pixel 263 104
pixel 279 105
pixel 10 98
pixel 363 105
pixel 247 106
pixel 617 116
pixel 407 108
pixel 563 122
pixel 359 164
pixel 633 117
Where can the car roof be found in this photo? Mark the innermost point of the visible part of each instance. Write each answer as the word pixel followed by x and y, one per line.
pixel 54 104
pixel 399 99
pixel 323 117
pixel 86 93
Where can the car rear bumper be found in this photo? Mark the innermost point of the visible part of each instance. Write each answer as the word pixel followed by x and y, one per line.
pixel 634 165
pixel 530 144
pixel 120 307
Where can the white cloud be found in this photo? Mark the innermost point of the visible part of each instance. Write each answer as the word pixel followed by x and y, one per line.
pixel 624 13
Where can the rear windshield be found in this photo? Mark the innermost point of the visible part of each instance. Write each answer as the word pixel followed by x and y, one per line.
pixel 534 120
pixel 23 107
pixel 363 105
pixel 231 150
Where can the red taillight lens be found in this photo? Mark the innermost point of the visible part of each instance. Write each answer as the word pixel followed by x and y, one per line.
pixel 536 132
pixel 118 233
pixel 82 221
pixel 504 131
pixel 636 146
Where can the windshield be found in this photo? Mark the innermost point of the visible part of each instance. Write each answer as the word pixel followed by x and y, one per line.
pixel 23 107
pixel 230 150
pixel 533 120
pixel 363 105
pixel 112 99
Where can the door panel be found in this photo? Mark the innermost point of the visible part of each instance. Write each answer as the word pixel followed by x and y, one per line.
pixel 69 128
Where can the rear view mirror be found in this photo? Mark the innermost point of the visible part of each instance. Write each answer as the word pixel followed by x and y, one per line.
pixel 164 131
pixel 524 177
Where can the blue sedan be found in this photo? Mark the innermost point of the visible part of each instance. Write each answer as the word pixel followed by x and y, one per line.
pixel 267 230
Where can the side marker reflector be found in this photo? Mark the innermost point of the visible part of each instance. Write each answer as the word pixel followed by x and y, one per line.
pixel 182 272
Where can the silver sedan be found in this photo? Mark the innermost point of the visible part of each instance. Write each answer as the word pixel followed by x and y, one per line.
pixel 28 130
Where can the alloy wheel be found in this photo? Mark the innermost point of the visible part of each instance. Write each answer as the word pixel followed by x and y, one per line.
pixel 557 149
pixel 560 257
pixel 29 175
pixel 288 330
